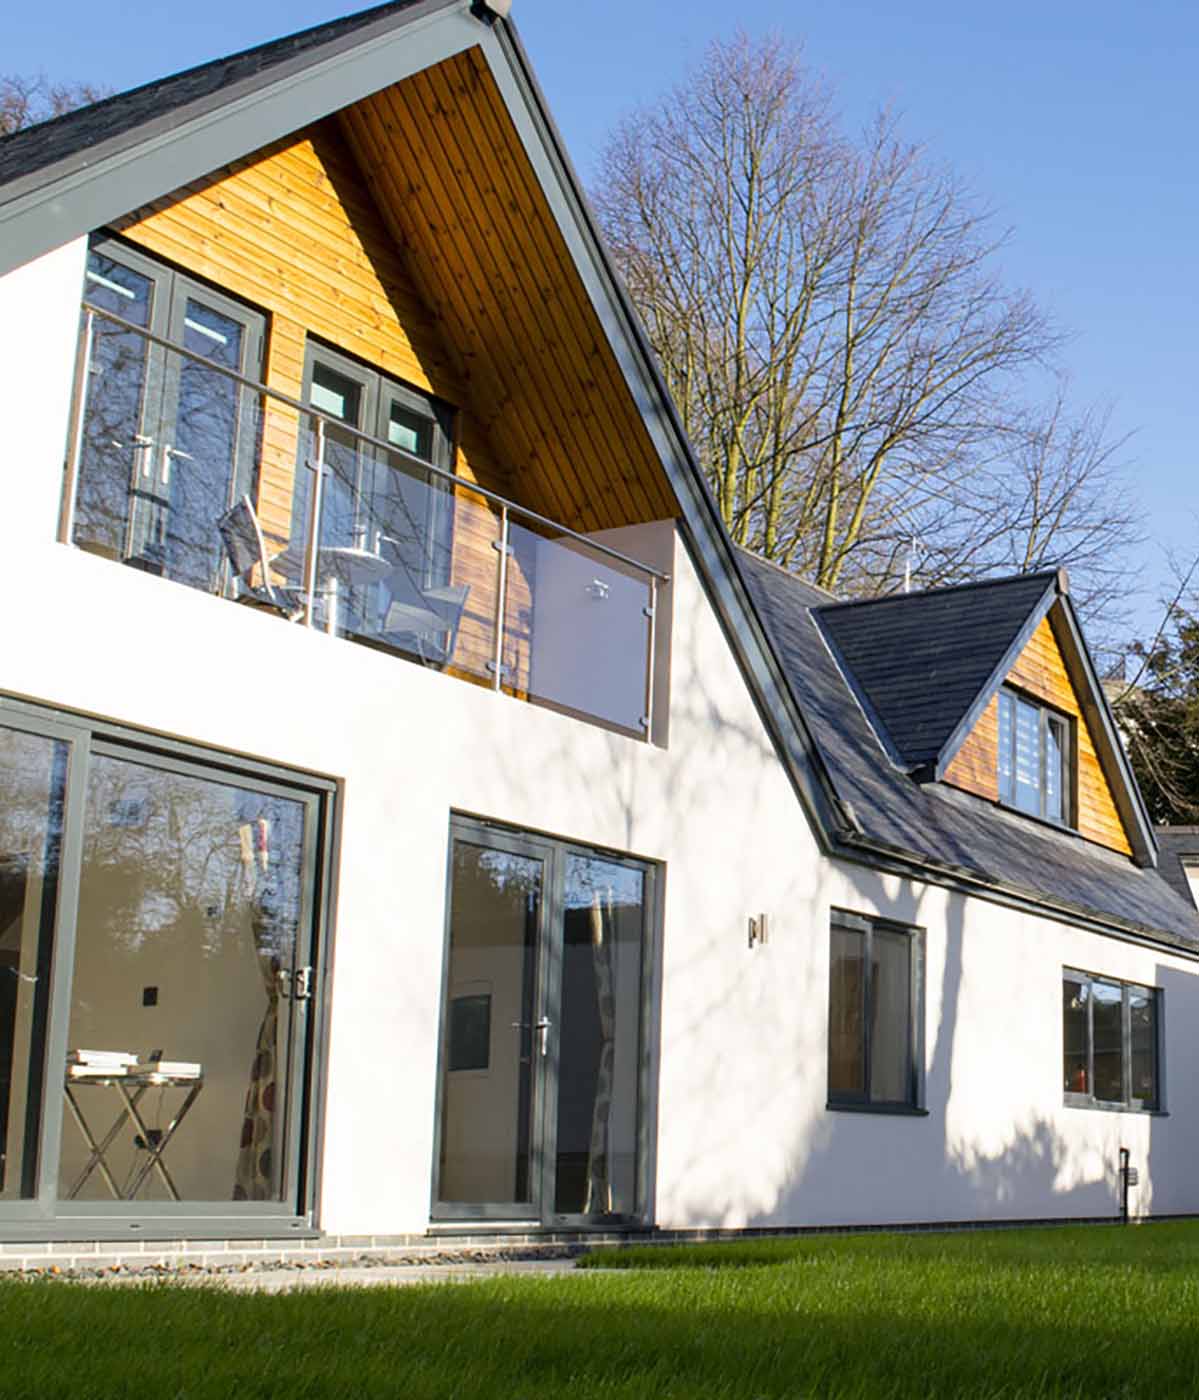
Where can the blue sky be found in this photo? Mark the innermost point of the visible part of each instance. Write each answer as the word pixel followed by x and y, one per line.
pixel 1078 123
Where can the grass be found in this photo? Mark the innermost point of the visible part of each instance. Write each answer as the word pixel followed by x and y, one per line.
pixel 1092 1312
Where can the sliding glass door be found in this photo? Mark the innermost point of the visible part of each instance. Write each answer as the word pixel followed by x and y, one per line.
pixel 158 947
pixel 543 1065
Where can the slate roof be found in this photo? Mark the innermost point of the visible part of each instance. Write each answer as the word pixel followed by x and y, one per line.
pixel 1173 843
pixel 75 134
pixel 920 660
pixel 934 825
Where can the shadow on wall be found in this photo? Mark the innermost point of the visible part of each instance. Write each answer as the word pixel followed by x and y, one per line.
pixel 847 1168
pixel 1170 1168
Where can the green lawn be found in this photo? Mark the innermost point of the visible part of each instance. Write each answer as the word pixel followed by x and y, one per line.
pixel 1080 1312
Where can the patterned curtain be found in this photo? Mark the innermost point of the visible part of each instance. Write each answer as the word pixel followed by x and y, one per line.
pixel 255 1177
pixel 599 1182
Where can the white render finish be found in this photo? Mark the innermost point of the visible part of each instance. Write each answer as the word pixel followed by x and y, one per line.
pixel 743 1136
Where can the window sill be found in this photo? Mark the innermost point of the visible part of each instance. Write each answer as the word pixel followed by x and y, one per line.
pixel 894 1110
pixel 1098 1107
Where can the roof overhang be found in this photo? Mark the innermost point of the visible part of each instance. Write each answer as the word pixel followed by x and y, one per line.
pixel 61 201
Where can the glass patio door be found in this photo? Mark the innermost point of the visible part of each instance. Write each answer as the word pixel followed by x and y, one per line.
pixel 542 1066
pixel 158 955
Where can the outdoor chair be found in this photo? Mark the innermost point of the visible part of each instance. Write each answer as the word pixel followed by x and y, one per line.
pixel 421 620
pixel 241 535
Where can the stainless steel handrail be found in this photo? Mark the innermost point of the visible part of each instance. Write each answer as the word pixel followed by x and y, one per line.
pixel 390 448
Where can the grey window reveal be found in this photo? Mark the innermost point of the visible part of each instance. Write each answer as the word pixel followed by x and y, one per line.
pixel 875 1045
pixel 1110 1043
pixel 1035 759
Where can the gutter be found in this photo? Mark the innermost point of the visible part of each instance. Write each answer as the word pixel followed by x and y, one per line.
pixel 856 846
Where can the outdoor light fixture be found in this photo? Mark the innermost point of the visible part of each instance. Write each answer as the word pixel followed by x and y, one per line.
pixel 758 929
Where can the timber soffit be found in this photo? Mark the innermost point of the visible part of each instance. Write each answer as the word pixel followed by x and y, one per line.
pixel 244 102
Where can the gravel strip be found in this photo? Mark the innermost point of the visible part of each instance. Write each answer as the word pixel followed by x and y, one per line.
pixel 188 1270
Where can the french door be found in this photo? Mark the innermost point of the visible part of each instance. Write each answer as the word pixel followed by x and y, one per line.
pixel 158 947
pixel 168 442
pixel 543 1067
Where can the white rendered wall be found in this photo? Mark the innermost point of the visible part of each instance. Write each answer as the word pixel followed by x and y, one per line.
pixel 743 1134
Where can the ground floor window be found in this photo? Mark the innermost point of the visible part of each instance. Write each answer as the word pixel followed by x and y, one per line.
pixel 542 1097
pixel 159 922
pixel 1111 1051
pixel 875 1043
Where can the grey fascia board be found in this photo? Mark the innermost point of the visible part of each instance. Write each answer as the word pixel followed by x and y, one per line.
pixel 1094 705
pixel 56 204
pixel 966 724
pixel 878 856
pixel 703 528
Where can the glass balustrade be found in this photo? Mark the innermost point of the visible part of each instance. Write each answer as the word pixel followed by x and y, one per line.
pixel 181 467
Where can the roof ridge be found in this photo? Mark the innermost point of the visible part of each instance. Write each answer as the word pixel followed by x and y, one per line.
pixel 1006 580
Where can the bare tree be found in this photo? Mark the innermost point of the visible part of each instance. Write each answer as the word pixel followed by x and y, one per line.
pixel 25 101
pixel 846 359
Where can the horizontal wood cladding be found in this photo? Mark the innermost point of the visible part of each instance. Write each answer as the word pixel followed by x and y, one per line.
pixel 449 172
pixel 975 766
pixel 1041 672
pixel 294 230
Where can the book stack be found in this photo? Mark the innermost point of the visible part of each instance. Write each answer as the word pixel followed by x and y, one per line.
pixel 171 1069
pixel 100 1064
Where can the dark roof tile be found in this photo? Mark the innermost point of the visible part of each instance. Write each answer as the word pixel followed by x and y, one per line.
pixel 920 660
pixel 76 133
pixel 934 823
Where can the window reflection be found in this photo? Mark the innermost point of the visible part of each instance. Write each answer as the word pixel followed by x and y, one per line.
pixel 190 902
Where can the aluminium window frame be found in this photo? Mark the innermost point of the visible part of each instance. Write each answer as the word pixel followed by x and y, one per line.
pixel 913 1105
pixel 1074 1099
pixel 45 1217
pixel 1046 714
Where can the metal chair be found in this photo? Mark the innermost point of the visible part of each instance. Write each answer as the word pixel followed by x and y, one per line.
pixel 241 535
pixel 424 620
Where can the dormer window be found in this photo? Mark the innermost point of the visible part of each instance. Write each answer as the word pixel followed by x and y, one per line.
pixel 1035 751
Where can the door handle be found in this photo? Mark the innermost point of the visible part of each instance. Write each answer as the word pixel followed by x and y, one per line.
pixel 540 1029
pixel 167 453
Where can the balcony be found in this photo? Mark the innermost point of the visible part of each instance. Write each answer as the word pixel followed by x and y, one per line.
pixel 181 467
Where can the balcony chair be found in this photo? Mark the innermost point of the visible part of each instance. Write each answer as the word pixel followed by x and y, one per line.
pixel 421 620
pixel 241 535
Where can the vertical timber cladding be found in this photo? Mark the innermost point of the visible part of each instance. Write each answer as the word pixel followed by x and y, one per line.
pixel 293 230
pixel 1041 672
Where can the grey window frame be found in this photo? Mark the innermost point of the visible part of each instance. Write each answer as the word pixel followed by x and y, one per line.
pixel 1127 1104
pixel 553 852
pixel 45 1217
pixel 1047 715
pixel 863 1103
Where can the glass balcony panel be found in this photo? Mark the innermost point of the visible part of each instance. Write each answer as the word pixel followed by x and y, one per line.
pixel 184 470
pixel 405 559
pixel 576 633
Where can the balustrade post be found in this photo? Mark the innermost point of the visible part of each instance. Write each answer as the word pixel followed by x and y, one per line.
pixel 70 486
pixel 316 464
pixel 651 647
pixel 501 594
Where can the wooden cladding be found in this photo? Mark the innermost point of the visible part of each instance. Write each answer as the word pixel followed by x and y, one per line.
pixel 411 232
pixel 452 178
pixel 1040 671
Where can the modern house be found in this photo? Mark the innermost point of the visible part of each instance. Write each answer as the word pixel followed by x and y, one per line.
pixel 416 816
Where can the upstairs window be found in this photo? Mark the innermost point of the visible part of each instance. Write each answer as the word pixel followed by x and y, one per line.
pixel 1035 757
